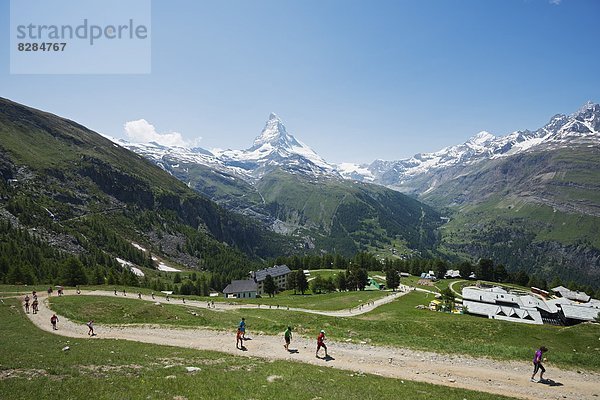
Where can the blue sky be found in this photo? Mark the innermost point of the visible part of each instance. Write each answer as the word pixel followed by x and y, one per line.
pixel 355 80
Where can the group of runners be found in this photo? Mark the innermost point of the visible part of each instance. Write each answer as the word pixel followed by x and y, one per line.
pixel 59 290
pixel 240 336
pixel 34 303
pixel 538 358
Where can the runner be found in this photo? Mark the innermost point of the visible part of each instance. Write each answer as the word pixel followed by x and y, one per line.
pixel 321 343
pixel 288 337
pixel 90 325
pixel 537 364
pixel 239 340
pixel 53 321
pixel 242 328
pixel 27 303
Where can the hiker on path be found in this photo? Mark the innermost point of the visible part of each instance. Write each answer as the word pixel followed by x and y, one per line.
pixel 288 337
pixel 50 291
pixel 34 306
pixel 321 343
pixel 239 340
pixel 139 295
pixel 34 295
pixel 152 295
pixel 537 364
pixel 53 321
pixel 26 303
pixel 242 328
pixel 90 325
pixel 115 291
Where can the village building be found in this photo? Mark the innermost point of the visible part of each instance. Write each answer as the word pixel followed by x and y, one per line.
pixel 452 274
pixel 241 289
pixel 498 303
pixel 279 273
pixel 571 295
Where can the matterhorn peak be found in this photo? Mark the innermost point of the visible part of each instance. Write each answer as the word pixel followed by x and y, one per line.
pixel 274 133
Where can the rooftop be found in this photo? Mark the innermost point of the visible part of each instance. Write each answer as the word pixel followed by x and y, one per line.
pixel 239 286
pixel 275 271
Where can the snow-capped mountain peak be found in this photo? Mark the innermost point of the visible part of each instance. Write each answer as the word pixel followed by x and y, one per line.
pixel 275 147
pixel 275 134
pixel 482 138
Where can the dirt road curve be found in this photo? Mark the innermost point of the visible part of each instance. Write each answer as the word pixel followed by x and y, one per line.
pixel 496 377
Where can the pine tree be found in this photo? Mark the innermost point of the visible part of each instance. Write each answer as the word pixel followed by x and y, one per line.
pixel 269 286
pixel 301 282
pixel 392 279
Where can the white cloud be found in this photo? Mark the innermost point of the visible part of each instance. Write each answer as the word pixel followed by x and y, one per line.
pixel 141 131
pixel 555 2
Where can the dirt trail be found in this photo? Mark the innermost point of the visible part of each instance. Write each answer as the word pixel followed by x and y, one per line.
pixel 496 377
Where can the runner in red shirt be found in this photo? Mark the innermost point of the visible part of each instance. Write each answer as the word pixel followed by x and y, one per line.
pixel 321 343
pixel 53 321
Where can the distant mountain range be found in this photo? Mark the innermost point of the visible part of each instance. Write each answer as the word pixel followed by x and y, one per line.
pixel 530 199
pixel 580 128
pixel 282 182
pixel 539 188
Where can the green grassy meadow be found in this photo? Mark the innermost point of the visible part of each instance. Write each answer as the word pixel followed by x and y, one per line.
pixel 33 365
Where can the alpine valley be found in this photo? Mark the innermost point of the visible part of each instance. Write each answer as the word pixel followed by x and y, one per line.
pixel 529 199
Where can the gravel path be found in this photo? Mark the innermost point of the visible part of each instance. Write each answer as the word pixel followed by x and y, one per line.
pixel 491 376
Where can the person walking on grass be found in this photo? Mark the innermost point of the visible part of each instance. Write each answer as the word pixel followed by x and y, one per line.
pixel 537 364
pixel 321 343
pixel 90 326
pixel 288 337
pixel 53 321
pixel 26 300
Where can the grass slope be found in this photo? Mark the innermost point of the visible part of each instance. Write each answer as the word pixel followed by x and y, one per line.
pixel 346 216
pixel 534 211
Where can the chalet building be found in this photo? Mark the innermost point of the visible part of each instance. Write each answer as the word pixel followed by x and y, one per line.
pixel 240 289
pixel 279 273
